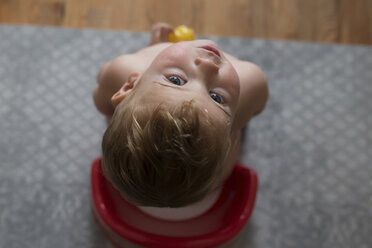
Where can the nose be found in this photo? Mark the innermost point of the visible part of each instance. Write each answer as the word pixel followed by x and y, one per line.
pixel 207 66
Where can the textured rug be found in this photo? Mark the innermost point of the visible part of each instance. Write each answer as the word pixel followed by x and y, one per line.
pixel 311 147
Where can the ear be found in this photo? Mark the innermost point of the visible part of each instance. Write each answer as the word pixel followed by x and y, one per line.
pixel 125 89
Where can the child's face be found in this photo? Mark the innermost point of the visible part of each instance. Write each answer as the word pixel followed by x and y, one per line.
pixel 195 70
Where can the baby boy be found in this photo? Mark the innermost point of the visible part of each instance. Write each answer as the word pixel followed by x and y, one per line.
pixel 175 114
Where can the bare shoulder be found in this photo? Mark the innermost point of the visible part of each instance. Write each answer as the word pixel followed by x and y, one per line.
pixel 247 71
pixel 114 74
pixel 111 77
pixel 253 80
pixel 253 89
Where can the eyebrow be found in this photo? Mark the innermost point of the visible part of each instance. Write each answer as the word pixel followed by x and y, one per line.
pixel 180 88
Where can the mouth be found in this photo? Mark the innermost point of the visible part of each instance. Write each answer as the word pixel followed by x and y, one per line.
pixel 212 49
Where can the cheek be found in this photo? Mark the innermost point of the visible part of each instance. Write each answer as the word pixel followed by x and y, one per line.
pixel 232 79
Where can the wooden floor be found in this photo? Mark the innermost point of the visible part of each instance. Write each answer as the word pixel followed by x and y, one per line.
pixel 329 21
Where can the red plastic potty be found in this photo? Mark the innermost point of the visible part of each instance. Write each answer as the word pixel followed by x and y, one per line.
pixel 126 226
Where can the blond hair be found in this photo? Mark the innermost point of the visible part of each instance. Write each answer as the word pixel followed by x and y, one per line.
pixel 163 157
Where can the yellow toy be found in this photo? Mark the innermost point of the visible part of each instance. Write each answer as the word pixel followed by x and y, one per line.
pixel 181 33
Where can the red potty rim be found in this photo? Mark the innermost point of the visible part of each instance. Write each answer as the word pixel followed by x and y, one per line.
pixel 240 190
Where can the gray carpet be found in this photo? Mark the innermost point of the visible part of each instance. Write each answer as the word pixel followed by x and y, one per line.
pixel 311 147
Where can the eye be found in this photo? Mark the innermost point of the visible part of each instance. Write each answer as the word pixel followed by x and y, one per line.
pixel 176 80
pixel 217 98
